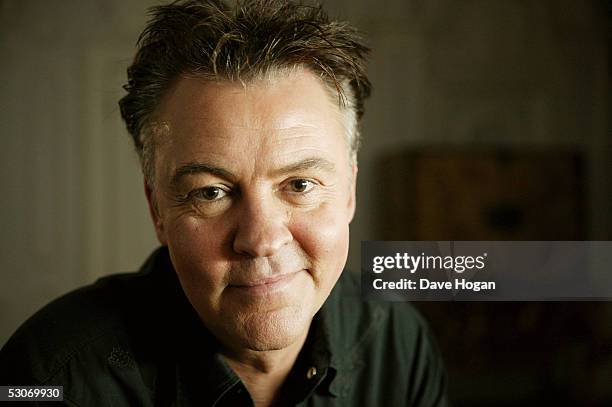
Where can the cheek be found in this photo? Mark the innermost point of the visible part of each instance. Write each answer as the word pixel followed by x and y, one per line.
pixel 324 237
pixel 197 252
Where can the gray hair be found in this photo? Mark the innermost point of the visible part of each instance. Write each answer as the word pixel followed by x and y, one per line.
pixel 249 41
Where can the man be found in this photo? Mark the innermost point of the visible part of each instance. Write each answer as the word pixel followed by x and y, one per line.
pixel 246 123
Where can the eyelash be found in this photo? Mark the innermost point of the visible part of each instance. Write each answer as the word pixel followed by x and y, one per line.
pixel 197 194
pixel 311 185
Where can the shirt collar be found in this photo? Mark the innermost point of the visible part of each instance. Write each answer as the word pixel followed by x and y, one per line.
pixel 333 346
pixel 349 329
pixel 200 375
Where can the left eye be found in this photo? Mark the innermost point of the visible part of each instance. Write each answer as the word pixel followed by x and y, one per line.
pixel 301 185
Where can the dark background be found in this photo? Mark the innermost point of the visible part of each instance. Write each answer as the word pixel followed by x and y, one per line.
pixel 490 120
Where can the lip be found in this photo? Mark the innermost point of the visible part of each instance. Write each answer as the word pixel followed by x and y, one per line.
pixel 267 285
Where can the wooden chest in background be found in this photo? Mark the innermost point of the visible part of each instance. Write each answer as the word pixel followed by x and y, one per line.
pixel 482 195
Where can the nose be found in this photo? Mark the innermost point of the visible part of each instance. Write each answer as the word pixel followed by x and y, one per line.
pixel 262 227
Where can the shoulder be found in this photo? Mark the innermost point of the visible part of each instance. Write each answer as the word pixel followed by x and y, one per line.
pixel 90 321
pixel 385 347
pixel 356 316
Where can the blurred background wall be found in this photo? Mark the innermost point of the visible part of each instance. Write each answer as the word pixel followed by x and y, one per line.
pixel 448 75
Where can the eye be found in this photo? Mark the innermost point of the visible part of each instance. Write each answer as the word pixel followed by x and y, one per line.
pixel 301 185
pixel 209 193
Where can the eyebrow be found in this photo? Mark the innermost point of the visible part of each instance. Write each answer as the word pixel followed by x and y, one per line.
pixel 200 168
pixel 306 164
pixel 204 168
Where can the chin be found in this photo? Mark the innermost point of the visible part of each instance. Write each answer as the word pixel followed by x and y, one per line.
pixel 274 330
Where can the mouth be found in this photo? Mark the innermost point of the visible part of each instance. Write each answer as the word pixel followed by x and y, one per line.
pixel 267 285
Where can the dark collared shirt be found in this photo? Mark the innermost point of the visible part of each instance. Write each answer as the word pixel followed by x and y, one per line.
pixel 134 340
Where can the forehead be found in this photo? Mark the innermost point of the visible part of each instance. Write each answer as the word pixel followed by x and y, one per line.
pixel 284 100
pixel 208 116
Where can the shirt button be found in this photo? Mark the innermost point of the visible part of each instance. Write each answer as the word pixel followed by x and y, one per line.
pixel 312 372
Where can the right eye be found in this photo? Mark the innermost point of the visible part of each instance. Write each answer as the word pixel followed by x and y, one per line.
pixel 212 193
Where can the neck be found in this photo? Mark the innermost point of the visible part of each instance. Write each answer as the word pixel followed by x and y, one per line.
pixel 264 372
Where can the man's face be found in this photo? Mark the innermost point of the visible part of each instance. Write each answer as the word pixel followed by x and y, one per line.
pixel 254 195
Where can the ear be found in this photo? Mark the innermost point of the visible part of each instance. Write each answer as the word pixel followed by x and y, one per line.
pixel 155 215
pixel 352 204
